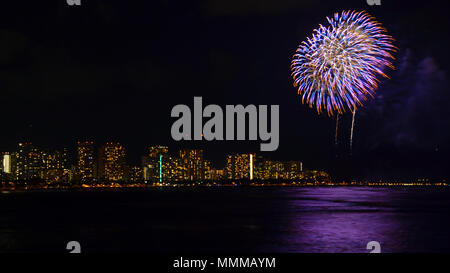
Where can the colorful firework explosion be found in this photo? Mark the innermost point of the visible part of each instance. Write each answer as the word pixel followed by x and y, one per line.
pixel 337 68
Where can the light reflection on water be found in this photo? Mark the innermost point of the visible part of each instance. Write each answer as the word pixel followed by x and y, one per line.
pixel 342 219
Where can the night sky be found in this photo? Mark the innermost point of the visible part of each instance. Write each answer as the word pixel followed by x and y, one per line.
pixel 112 71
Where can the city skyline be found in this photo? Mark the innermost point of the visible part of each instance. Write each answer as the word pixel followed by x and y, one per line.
pixel 108 163
pixel 95 165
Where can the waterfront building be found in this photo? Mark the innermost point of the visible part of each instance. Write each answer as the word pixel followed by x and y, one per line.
pixel 85 160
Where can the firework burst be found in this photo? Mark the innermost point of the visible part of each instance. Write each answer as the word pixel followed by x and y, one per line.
pixel 339 67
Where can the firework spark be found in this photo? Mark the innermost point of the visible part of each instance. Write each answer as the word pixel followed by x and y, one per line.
pixel 337 68
pixel 351 132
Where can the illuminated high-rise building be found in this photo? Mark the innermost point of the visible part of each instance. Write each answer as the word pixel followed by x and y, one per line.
pixel 154 164
pixel 293 169
pixel 29 162
pixel 273 170
pixel 6 163
pixel 85 161
pixel 238 166
pixel 156 151
pixel 206 169
pixel 61 159
pixel 172 169
pixel 55 165
pixel 145 161
pixel 112 162
pixel 216 174
pixel 258 167
pixel 193 164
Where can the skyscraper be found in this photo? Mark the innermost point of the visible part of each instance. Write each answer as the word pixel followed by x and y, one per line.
pixel 193 164
pixel 173 169
pixel 154 164
pixel 216 174
pixel 206 169
pixel 293 169
pixel 29 162
pixel 6 163
pixel 238 166
pixel 269 169
pixel 61 159
pixel 55 165
pixel 86 161
pixel 273 170
pixel 112 161
pixel 156 151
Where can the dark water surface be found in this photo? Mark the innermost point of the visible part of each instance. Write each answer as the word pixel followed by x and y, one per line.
pixel 231 220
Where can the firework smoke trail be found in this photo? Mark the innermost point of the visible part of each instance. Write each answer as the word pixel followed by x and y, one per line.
pixel 351 131
pixel 336 133
pixel 339 66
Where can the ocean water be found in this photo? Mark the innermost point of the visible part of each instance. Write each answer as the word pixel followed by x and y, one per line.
pixel 227 220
